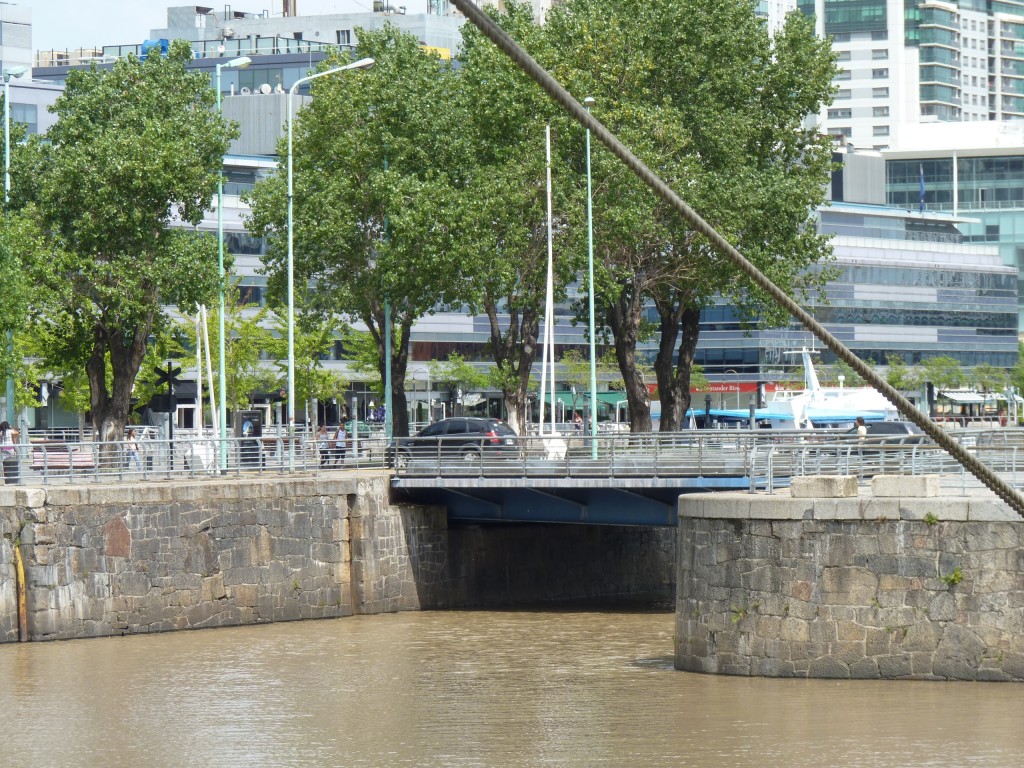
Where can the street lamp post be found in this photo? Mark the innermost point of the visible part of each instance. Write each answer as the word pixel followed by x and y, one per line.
pixel 361 64
pixel 737 375
pixel 9 74
pixel 240 63
pixel 589 102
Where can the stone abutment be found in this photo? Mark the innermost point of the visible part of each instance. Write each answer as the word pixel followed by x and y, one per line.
pixel 879 586
pixel 161 556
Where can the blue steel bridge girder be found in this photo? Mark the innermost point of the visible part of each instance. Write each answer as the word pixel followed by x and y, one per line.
pixel 593 506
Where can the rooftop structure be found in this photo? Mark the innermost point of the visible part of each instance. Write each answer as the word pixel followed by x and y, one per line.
pixel 15 36
pixel 905 62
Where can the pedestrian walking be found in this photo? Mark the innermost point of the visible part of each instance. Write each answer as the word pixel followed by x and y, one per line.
pixel 9 452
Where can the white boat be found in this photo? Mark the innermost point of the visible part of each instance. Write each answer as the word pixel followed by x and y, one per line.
pixel 816 406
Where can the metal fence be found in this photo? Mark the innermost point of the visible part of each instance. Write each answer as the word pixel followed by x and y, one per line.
pixel 768 458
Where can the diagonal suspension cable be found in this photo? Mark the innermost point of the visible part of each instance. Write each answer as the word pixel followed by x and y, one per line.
pixel 577 111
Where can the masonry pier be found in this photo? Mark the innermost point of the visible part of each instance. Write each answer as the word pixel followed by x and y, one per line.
pixel 901 583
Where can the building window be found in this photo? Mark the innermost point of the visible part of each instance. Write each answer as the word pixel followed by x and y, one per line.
pixel 880 93
pixel 840 114
pixel 880 111
pixel 879 74
pixel 845 131
pixel 880 53
pixel 27 115
pixel 842 93
pixel 843 56
pixel 844 74
pixel 880 34
pixel 880 130
pixel 841 37
pixel 344 37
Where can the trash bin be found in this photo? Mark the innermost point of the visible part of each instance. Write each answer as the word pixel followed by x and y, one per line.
pixel 249 430
pixel 12 472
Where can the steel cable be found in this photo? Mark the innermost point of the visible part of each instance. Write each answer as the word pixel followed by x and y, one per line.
pixel 579 113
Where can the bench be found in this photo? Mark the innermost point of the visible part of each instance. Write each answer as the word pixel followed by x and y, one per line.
pixel 62 459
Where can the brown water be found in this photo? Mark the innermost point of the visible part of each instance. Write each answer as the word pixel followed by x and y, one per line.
pixel 469 689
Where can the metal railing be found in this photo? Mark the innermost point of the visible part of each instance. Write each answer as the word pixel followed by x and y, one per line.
pixel 766 458
pixel 47 461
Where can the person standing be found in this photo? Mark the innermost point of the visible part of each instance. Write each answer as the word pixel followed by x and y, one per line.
pixel 9 452
pixel 862 429
pixel 131 445
pixel 323 445
pixel 340 439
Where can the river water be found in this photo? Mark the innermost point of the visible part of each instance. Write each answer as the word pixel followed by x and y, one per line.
pixel 516 688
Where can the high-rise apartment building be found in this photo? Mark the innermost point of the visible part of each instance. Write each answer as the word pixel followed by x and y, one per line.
pixel 905 62
pixel 15 36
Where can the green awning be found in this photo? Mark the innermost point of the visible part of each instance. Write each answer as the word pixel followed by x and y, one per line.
pixel 583 398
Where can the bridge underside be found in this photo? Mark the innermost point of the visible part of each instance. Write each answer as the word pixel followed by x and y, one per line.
pixel 647 502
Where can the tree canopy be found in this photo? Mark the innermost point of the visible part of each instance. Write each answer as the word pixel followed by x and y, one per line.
pixel 114 190
pixel 375 158
pixel 718 108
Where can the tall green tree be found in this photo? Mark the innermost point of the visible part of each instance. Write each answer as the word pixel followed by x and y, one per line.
pixel 374 189
pixel 717 107
pixel 131 163
pixel 943 371
pixel 504 235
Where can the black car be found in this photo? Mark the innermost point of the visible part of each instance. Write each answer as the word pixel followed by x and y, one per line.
pixel 464 437
pixel 894 432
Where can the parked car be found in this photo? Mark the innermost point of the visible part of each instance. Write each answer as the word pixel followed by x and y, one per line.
pixel 465 437
pixel 898 432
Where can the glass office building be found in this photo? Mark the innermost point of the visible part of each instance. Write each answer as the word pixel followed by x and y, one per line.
pixel 908 284
pixel 976 174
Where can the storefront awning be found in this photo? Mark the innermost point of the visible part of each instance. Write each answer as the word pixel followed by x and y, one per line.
pixel 963 397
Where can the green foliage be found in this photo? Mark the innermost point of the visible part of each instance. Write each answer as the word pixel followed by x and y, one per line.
pixel 943 371
pixel 717 107
pixel 988 378
pixel 376 173
pixel 136 149
pixel 457 374
pixel 900 375
pixel 313 339
pixel 931 519
pixel 954 578
pixel 839 368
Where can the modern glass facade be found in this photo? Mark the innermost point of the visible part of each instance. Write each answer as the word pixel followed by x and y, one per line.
pixel 906 284
pixel 989 190
pixel 842 16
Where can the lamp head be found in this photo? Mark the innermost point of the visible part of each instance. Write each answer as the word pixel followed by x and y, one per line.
pixel 13 72
pixel 240 63
pixel 361 64
pixel 589 102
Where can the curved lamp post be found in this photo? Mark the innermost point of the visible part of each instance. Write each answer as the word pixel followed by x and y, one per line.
pixel 239 63
pixel 361 64
pixel 589 102
pixel 9 74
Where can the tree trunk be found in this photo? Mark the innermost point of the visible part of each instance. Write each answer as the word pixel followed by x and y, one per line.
pixel 514 359
pixel 673 408
pixel 399 364
pixel 680 325
pixel 111 408
pixel 624 315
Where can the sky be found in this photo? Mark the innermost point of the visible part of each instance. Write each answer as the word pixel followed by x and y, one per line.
pixel 70 24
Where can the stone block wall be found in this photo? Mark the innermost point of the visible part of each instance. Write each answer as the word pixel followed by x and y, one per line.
pixel 925 588
pixel 154 557
pixel 105 560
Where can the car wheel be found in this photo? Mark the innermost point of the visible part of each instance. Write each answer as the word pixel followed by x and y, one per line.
pixel 471 457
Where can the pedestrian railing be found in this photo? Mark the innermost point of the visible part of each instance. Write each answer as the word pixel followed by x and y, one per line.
pixel 766 459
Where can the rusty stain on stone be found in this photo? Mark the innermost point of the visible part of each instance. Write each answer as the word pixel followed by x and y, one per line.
pixel 117 538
